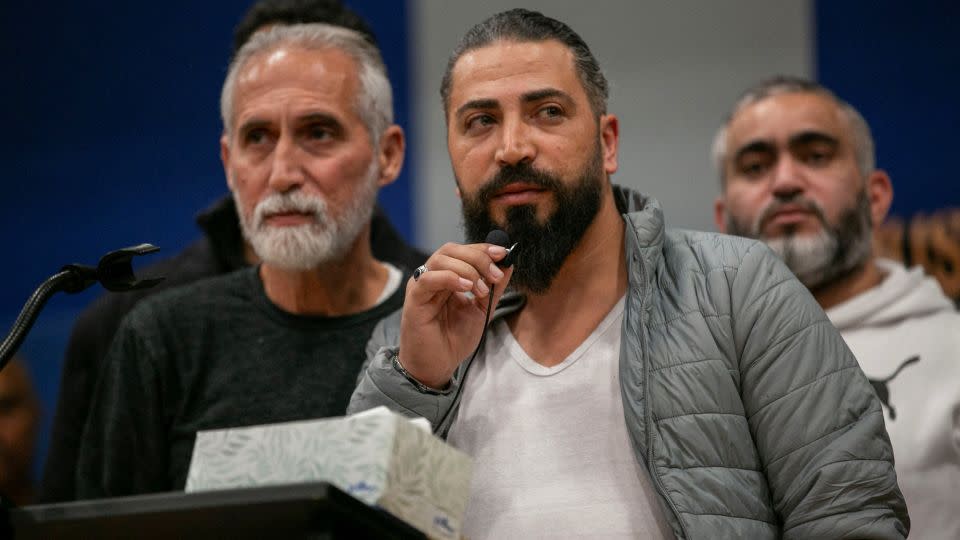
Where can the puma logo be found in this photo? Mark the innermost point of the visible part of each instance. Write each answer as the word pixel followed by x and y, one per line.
pixel 880 386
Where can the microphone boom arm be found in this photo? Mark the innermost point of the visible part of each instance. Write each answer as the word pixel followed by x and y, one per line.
pixel 114 272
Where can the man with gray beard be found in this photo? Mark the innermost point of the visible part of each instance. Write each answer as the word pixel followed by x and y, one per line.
pixel 308 140
pixel 797 170
pixel 220 249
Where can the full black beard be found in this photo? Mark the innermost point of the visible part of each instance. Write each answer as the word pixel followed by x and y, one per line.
pixel 542 248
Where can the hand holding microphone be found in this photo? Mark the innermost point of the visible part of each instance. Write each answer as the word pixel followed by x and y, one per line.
pixel 446 306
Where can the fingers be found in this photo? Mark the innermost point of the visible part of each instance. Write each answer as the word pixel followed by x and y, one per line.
pixel 501 287
pixel 482 257
pixel 496 289
pixel 437 281
pixel 461 268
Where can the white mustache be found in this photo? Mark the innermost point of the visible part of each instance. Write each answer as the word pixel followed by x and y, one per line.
pixel 294 201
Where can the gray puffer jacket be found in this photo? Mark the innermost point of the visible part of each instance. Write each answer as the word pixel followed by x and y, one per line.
pixel 742 401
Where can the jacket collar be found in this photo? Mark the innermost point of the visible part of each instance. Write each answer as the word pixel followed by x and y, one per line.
pixel 644 235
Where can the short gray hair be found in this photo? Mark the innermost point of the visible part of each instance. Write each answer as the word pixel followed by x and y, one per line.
pixel 375 99
pixel 863 146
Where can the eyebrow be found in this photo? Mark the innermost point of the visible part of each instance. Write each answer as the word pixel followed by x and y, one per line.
pixel 808 137
pixel 538 95
pixel 800 139
pixel 314 116
pixel 323 118
pixel 529 97
pixel 765 147
pixel 477 104
pixel 251 124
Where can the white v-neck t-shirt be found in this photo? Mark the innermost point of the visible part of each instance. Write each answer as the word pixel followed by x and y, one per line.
pixel 552 456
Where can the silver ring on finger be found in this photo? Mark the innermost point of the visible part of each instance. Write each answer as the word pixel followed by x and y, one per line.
pixel 421 270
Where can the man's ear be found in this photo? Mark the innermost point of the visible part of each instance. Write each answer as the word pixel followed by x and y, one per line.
pixel 720 214
pixel 880 194
pixel 391 153
pixel 225 158
pixel 610 142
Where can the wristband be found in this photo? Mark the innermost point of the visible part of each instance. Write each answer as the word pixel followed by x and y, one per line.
pixel 422 388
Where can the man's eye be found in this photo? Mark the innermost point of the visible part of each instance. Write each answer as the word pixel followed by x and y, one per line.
pixel 319 133
pixel 753 167
pixel 479 121
pixel 550 111
pixel 817 157
pixel 815 153
pixel 255 136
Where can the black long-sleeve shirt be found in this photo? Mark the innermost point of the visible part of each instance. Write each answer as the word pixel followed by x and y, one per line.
pixel 218 251
pixel 214 354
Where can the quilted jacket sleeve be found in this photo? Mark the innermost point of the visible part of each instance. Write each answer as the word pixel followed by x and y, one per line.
pixel 381 384
pixel 816 421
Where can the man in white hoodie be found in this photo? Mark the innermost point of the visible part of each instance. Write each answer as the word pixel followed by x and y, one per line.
pixel 796 165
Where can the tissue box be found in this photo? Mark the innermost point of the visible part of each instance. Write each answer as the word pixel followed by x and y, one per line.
pixel 379 457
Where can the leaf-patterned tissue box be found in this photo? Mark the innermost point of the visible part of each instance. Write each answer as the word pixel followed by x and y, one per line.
pixel 377 456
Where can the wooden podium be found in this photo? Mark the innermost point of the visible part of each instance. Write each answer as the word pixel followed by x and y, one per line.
pixel 315 511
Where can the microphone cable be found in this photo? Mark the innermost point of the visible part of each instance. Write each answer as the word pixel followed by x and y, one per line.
pixel 499 238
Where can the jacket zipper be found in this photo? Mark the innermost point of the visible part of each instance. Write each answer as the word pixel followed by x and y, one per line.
pixel 648 417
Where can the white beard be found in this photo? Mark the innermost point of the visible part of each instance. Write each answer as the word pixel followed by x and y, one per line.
pixel 806 255
pixel 304 247
pixel 823 257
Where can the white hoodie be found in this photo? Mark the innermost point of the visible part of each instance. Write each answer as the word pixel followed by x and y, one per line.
pixel 904 317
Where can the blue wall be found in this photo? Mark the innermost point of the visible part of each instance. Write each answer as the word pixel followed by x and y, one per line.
pixel 111 125
pixel 898 63
pixel 110 138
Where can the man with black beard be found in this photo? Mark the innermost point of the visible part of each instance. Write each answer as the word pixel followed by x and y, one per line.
pixel 576 206
pixel 798 171
pixel 636 382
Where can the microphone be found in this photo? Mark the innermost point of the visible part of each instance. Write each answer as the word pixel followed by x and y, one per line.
pixel 502 239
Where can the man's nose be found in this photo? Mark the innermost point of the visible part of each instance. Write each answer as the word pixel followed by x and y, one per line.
pixel 286 172
pixel 788 179
pixel 516 145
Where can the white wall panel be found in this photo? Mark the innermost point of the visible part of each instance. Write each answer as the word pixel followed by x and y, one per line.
pixel 674 69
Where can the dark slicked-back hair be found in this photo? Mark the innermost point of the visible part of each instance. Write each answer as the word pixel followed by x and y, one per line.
pixel 523 25
pixel 289 12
